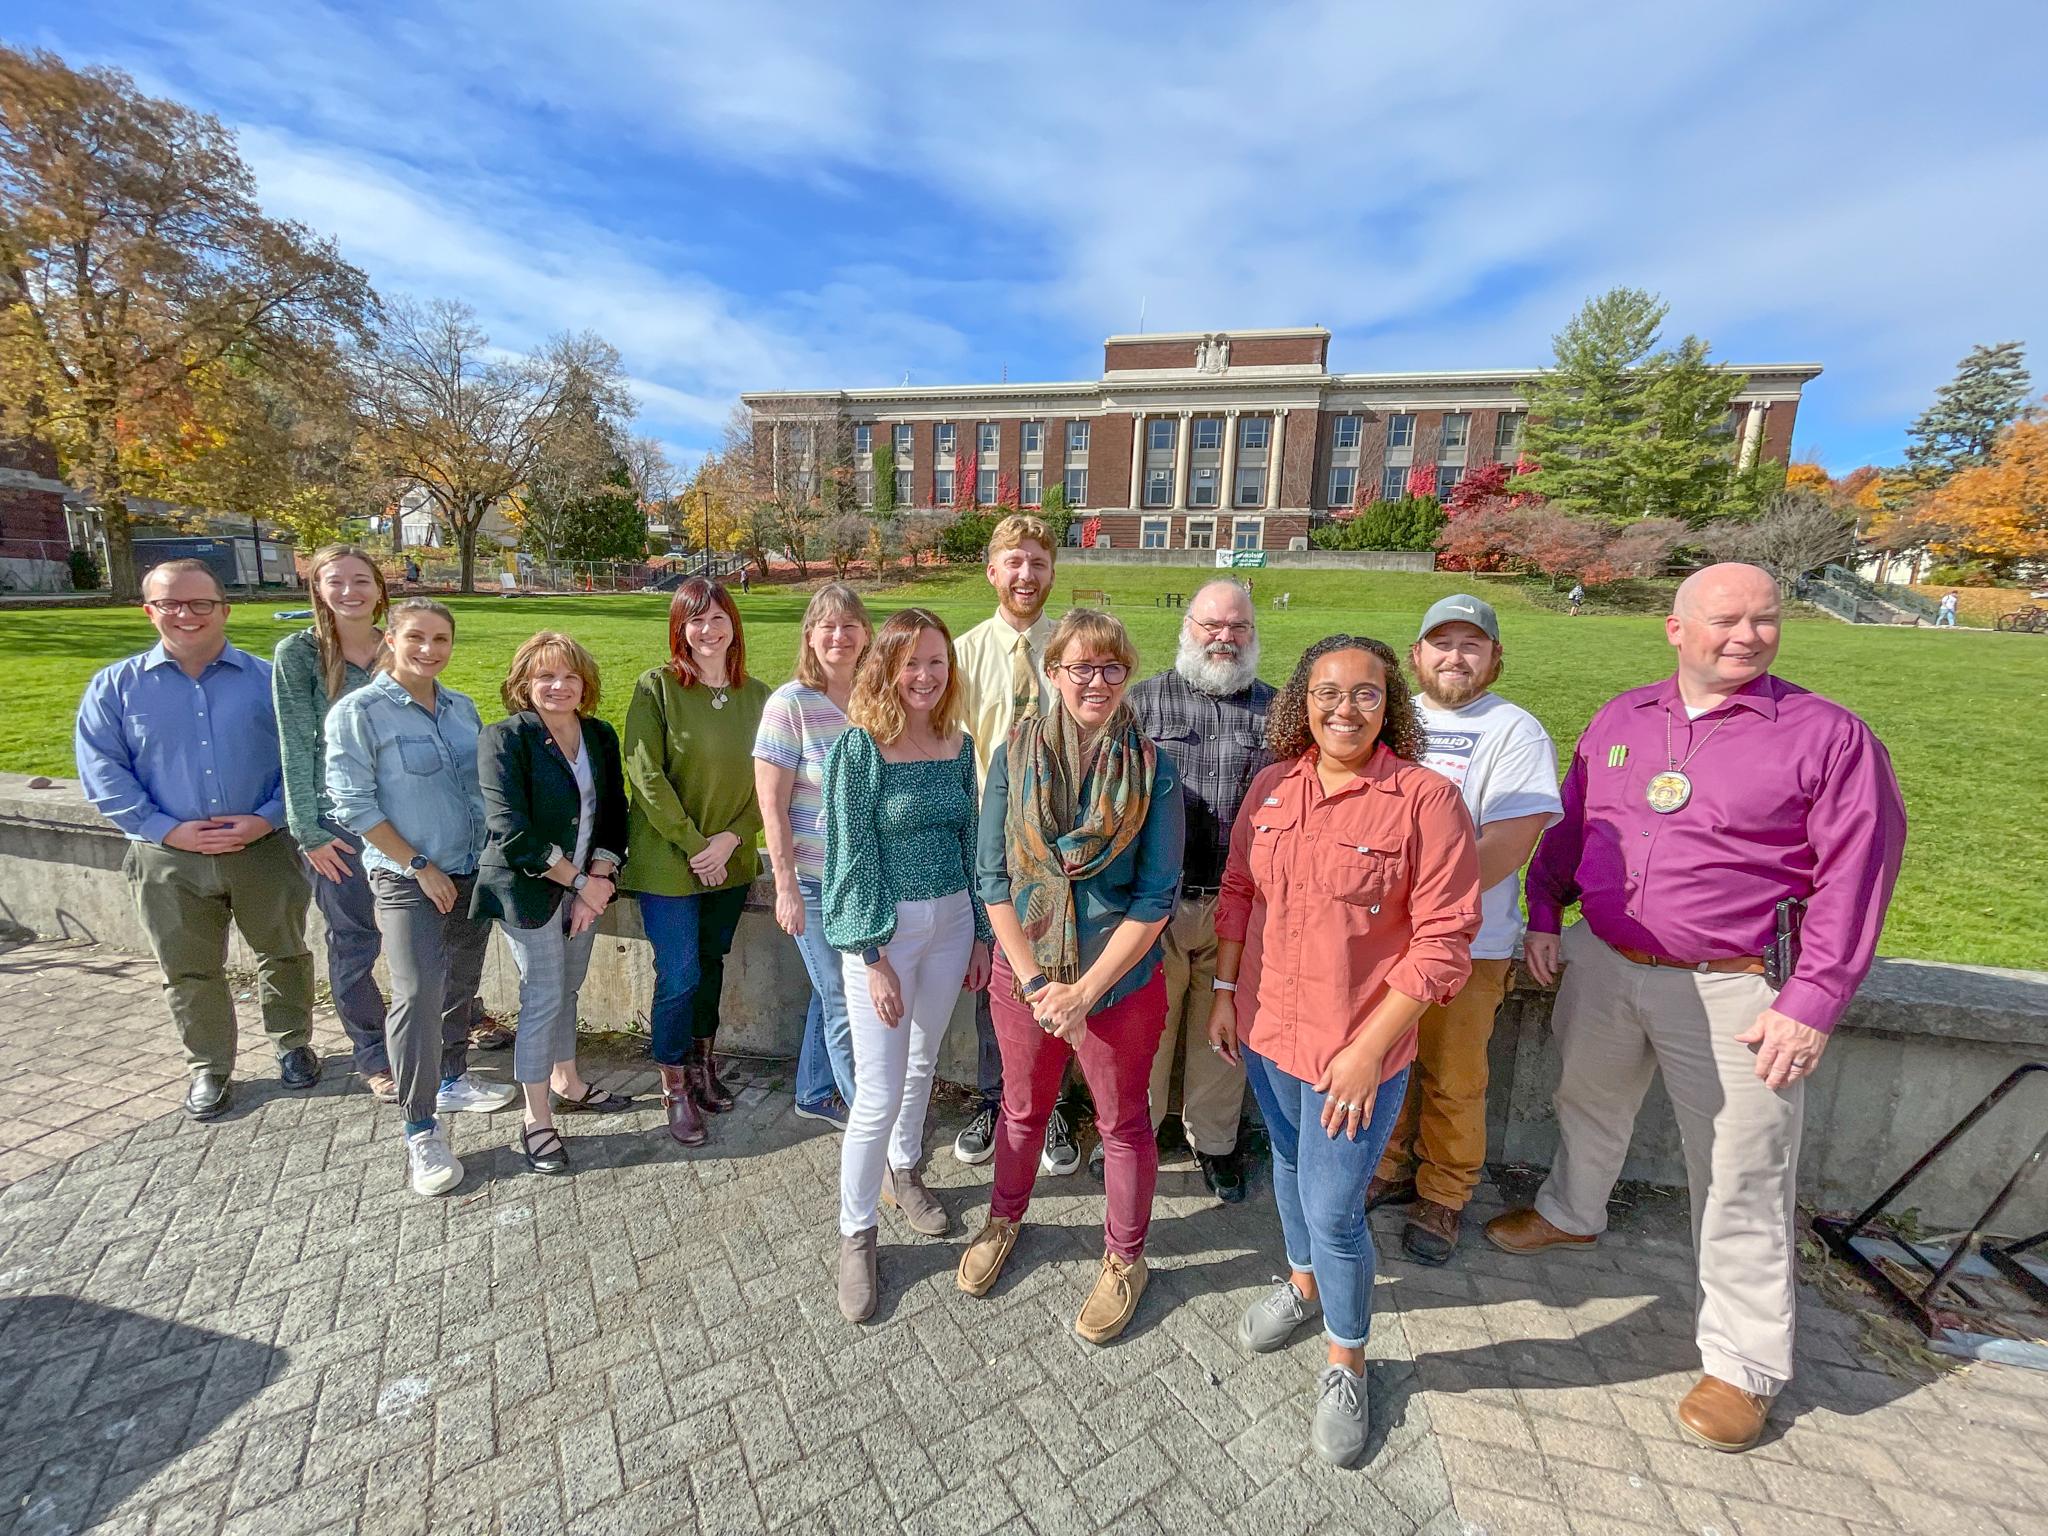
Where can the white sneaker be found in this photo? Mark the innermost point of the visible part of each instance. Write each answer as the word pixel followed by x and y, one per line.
pixel 470 1094
pixel 435 1169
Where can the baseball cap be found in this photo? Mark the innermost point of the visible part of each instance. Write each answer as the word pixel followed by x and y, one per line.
pixel 1460 608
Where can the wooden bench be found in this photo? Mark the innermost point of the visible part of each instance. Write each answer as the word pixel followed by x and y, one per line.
pixel 1090 597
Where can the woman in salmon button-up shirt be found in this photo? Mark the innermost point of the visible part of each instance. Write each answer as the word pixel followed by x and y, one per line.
pixel 1349 904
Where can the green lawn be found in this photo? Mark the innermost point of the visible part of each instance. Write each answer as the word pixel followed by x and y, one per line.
pixel 1975 886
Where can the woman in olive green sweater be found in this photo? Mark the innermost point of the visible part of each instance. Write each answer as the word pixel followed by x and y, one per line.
pixel 312 671
pixel 691 835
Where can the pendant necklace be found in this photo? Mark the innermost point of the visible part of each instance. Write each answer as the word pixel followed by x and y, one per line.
pixel 718 696
pixel 1670 789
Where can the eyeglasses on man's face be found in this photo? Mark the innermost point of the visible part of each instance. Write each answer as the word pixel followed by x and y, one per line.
pixel 1085 672
pixel 1364 698
pixel 173 607
pixel 1218 629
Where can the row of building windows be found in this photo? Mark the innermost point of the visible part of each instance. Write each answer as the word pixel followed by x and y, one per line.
pixel 1245 533
pixel 1030 487
pixel 1253 434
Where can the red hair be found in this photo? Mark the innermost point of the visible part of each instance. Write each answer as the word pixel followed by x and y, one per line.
pixel 692 598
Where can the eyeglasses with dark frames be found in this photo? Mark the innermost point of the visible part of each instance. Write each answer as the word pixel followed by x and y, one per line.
pixel 1085 672
pixel 198 607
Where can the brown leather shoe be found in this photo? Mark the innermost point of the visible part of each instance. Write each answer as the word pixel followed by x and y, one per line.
pixel 1430 1235
pixel 1525 1231
pixel 1388 1192
pixel 705 1087
pixel 684 1123
pixel 982 1264
pixel 1113 1302
pixel 1722 1417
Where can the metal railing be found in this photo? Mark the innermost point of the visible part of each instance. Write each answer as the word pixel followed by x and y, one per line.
pixel 1899 597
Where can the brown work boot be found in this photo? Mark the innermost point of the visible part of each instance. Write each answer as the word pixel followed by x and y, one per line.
pixel 982 1264
pixel 1722 1417
pixel 858 1287
pixel 904 1189
pixel 1525 1231
pixel 1115 1298
pixel 684 1123
pixel 1388 1192
pixel 705 1088
pixel 1431 1233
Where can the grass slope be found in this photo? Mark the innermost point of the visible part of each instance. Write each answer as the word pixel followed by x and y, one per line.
pixel 1960 712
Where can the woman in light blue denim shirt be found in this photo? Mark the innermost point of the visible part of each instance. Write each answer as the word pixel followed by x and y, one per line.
pixel 401 771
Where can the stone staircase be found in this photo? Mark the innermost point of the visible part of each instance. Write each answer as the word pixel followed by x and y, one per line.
pixel 1840 591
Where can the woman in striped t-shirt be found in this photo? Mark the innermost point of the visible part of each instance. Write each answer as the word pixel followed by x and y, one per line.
pixel 798 726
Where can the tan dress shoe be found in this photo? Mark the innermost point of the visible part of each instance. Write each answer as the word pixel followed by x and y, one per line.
pixel 1525 1231
pixel 982 1264
pixel 1722 1417
pixel 1114 1300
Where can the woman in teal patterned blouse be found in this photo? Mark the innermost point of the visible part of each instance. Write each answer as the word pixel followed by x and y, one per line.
pixel 899 903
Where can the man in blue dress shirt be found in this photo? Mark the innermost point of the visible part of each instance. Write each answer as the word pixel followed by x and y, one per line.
pixel 178 748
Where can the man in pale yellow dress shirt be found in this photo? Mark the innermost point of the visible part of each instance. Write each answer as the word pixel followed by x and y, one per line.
pixel 1002 675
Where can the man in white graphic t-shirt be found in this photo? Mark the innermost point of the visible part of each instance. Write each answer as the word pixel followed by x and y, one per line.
pixel 1503 763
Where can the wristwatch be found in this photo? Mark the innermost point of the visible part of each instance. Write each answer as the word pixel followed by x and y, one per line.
pixel 416 863
pixel 580 881
pixel 1220 985
pixel 872 955
pixel 1035 985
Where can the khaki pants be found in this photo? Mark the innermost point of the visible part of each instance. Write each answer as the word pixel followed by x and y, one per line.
pixel 1617 1024
pixel 1212 1089
pixel 186 901
pixel 1442 1129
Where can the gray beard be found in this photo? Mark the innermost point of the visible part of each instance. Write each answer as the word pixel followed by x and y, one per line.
pixel 1216 676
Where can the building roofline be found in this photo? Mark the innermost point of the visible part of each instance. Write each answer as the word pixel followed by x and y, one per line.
pixel 1275 331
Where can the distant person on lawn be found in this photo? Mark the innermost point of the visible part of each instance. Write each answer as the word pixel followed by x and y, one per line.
pixel 1695 809
pixel 1501 759
pixel 178 748
pixel 1946 617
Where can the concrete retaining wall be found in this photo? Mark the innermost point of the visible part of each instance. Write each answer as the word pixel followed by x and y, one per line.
pixel 1920 1045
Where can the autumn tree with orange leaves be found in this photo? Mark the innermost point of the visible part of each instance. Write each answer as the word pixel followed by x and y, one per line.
pixel 1996 513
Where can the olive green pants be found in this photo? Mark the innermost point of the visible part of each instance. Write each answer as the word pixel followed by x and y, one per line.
pixel 186 901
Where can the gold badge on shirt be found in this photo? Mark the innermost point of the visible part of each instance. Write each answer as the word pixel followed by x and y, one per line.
pixel 1667 791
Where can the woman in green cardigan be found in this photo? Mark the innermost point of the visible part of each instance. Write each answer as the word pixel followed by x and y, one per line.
pixel 691 835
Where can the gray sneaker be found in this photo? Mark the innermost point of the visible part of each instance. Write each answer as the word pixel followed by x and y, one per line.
pixel 1272 1320
pixel 1340 1424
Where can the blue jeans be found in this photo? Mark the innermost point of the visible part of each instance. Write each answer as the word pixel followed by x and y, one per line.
pixel 824 1062
pixel 691 936
pixel 1319 1184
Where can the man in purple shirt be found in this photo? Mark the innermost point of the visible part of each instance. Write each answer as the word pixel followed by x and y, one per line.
pixel 1692 808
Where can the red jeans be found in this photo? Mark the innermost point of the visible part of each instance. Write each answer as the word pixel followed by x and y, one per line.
pixel 1116 1062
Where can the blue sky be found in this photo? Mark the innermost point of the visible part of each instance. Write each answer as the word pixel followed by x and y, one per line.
pixel 777 196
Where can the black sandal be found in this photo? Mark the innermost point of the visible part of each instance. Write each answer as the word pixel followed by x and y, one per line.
pixel 595 1101
pixel 543 1149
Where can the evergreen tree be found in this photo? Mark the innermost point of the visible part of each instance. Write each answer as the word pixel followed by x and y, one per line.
pixel 1969 412
pixel 1683 467
pixel 1588 416
pixel 884 480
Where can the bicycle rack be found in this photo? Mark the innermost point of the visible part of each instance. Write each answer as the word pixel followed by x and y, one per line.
pixel 1916 1307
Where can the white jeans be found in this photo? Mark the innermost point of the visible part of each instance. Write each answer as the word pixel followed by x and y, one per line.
pixel 892 1067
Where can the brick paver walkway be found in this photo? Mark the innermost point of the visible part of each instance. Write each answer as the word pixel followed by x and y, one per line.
pixel 252 1327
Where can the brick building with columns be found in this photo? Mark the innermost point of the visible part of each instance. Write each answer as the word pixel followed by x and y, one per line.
pixel 1227 439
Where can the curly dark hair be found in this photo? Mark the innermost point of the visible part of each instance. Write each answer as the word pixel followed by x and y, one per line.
pixel 1287 731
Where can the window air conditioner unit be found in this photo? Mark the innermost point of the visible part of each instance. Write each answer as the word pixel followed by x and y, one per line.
pixel 1297 542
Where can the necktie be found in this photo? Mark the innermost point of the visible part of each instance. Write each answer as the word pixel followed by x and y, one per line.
pixel 1023 680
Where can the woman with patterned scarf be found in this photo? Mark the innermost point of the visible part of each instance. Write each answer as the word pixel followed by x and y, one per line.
pixel 1078 863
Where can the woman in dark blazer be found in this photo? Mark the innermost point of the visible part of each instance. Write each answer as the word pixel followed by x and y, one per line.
pixel 555 818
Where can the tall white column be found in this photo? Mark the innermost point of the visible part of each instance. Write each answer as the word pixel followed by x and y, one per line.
pixel 1752 433
pixel 1137 458
pixel 1274 457
pixel 1180 463
pixel 1226 498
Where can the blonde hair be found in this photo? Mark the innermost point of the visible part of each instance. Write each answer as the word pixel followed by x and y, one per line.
pixel 834 600
pixel 1020 528
pixel 326 631
pixel 1090 629
pixel 876 706
pixel 396 621
pixel 517 689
